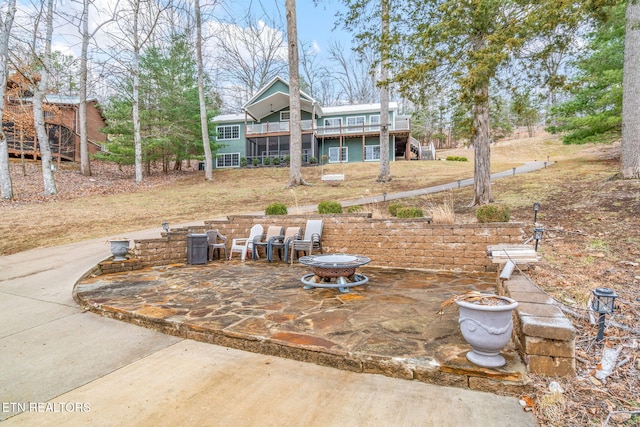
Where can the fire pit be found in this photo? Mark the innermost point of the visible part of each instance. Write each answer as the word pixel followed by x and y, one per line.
pixel 327 268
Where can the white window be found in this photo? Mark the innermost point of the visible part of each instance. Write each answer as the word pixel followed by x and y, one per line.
pixel 285 116
pixel 228 132
pixel 228 160
pixel 333 123
pixel 355 123
pixel 374 121
pixel 334 154
pixel 371 152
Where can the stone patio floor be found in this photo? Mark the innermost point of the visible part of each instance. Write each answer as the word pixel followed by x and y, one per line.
pixel 389 326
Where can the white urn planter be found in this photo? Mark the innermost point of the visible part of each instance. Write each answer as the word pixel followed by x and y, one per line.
pixel 486 324
pixel 119 249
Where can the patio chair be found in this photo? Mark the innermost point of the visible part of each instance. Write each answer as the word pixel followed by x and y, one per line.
pixel 262 241
pixel 245 244
pixel 283 242
pixel 216 241
pixel 312 239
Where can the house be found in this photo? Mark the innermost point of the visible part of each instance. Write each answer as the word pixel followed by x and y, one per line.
pixel 349 133
pixel 62 120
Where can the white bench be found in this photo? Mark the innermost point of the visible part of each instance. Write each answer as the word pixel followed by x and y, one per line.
pixel 333 179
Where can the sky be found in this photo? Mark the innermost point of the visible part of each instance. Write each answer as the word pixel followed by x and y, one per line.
pixel 316 23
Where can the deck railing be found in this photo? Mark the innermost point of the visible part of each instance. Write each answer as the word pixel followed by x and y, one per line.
pixel 361 128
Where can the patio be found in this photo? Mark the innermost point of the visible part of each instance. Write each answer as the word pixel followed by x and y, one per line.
pixel 389 326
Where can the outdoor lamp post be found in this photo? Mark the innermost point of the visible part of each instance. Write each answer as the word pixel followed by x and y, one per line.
pixel 165 226
pixel 536 208
pixel 603 304
pixel 537 235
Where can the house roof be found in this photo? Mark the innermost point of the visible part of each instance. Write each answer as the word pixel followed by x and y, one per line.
pixel 60 99
pixel 357 108
pixel 264 103
pixel 228 118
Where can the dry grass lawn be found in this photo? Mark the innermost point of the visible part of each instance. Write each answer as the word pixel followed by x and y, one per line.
pixel 108 204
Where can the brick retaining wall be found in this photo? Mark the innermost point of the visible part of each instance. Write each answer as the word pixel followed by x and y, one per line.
pixel 545 337
pixel 403 243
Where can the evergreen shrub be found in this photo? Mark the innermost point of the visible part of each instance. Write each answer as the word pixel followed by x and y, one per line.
pixel 276 209
pixel 329 207
pixel 493 213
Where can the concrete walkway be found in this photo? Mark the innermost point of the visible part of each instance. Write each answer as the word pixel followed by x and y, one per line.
pixel 64 366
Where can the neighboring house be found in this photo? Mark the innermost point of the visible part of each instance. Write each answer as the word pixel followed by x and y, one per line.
pixel 349 133
pixel 63 127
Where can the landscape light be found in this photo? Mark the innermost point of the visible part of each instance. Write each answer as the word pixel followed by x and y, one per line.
pixel 537 235
pixel 536 208
pixel 603 304
pixel 165 226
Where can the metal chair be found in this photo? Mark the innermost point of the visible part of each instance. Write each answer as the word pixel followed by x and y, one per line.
pixel 216 241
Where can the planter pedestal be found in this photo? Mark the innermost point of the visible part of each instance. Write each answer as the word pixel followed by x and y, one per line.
pixel 119 249
pixel 487 328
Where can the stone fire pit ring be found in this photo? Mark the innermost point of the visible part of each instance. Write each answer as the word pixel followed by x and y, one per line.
pixel 330 267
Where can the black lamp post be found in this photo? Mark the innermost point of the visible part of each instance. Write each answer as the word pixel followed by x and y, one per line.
pixel 603 304
pixel 165 226
pixel 537 235
pixel 536 208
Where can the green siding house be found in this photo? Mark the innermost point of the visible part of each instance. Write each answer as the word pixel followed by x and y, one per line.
pixel 348 133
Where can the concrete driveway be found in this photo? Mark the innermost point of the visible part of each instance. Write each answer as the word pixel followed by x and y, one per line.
pixel 63 366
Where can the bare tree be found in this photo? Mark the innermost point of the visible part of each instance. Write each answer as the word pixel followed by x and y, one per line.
pixel 385 170
pixel 204 121
pixel 312 72
pixel 85 166
pixel 5 30
pixel 135 24
pixel 630 156
pixel 295 169
pixel 250 53
pixel 353 75
pixel 38 112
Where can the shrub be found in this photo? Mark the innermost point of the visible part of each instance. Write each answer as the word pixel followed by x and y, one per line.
pixel 409 213
pixel 243 161
pixel 287 158
pixel 276 209
pixel 456 159
pixel 354 209
pixel 256 162
pixel 276 161
pixel 493 213
pixel 266 161
pixel 393 208
pixel 329 208
pixel 313 160
pixel 324 158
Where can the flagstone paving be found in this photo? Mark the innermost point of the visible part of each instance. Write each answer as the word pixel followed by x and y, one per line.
pixel 390 325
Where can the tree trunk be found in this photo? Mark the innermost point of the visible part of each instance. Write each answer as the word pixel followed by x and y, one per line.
pixel 6 187
pixel 137 136
pixel 295 128
pixel 38 111
pixel 204 122
pixel 482 147
pixel 385 171
pixel 85 166
pixel 630 155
